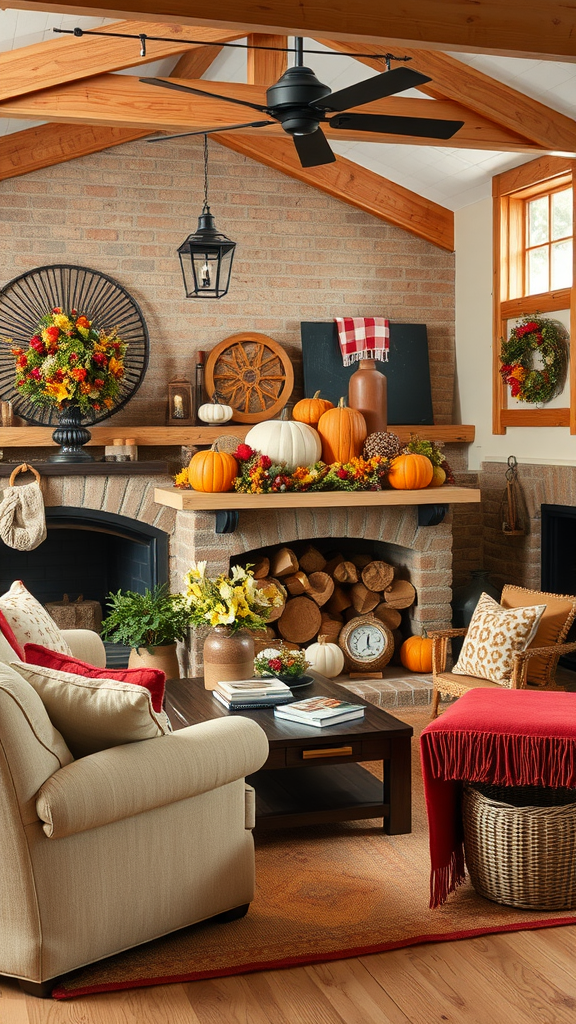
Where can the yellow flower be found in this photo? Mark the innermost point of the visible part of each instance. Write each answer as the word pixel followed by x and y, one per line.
pixel 61 320
pixel 116 368
pixel 58 391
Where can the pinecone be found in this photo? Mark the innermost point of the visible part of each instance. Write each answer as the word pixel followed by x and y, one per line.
pixel 388 445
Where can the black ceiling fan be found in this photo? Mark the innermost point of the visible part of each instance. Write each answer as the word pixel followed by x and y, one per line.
pixel 300 103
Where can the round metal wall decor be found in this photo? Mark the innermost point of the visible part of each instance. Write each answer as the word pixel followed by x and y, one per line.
pixel 27 298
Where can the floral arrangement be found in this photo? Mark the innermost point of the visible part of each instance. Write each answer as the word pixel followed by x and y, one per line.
pixel 68 362
pixel 281 662
pixel 235 601
pixel 541 337
pixel 258 475
pixel 433 451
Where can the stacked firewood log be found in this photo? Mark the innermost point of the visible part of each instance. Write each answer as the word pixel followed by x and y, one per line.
pixel 322 594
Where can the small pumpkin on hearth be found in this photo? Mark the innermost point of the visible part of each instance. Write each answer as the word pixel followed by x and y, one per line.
pixel 212 470
pixel 416 654
pixel 410 472
pixel 309 410
pixel 343 432
pixel 325 657
pixel 286 440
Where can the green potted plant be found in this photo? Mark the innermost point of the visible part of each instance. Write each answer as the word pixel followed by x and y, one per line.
pixel 149 623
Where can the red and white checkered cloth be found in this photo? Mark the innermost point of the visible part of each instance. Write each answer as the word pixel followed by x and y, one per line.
pixel 363 337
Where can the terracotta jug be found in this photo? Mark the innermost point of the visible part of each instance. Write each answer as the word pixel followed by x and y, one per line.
pixel 227 656
pixel 367 391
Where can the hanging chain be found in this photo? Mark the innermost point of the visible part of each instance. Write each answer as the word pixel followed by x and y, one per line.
pixel 512 471
pixel 206 207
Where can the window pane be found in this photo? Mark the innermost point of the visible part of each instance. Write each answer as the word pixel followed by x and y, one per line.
pixel 537 271
pixel 562 214
pixel 561 264
pixel 538 221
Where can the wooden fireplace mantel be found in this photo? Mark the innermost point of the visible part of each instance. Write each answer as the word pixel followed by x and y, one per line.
pixel 202 501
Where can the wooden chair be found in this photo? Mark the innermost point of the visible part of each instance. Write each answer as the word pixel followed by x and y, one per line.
pixel 448 684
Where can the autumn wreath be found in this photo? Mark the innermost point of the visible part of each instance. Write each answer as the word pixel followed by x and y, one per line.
pixel 547 340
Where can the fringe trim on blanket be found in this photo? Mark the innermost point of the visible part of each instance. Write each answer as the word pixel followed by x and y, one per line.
pixel 503 759
pixel 445 880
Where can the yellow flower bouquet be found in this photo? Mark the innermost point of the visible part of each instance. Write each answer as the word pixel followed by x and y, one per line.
pixel 236 601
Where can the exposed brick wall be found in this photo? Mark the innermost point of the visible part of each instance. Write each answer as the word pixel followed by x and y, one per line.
pixel 301 255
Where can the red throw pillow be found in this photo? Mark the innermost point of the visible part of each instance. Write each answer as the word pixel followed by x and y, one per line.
pixel 152 678
pixel 9 636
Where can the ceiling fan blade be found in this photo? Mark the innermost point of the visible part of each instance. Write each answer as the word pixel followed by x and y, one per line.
pixel 201 92
pixel 386 84
pixel 210 131
pixel 421 127
pixel 313 149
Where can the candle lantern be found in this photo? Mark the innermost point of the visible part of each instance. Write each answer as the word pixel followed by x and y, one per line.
pixel 180 404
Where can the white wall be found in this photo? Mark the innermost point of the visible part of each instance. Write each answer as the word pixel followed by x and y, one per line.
pixel 548 445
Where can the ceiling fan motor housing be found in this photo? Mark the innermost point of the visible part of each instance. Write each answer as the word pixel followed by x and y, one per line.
pixel 292 98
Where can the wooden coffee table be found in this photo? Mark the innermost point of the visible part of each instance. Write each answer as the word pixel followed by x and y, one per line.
pixel 312 776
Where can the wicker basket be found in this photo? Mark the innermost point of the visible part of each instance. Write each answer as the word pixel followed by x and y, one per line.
pixel 522 852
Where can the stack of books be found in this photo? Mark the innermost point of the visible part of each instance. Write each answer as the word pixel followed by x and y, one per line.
pixel 244 694
pixel 320 711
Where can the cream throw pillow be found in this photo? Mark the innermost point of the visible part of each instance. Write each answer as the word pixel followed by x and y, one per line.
pixel 493 637
pixel 94 714
pixel 30 621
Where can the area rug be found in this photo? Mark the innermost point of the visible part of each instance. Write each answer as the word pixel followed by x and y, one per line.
pixel 323 893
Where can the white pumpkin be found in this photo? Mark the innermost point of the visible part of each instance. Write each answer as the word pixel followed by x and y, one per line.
pixel 287 441
pixel 215 412
pixel 326 658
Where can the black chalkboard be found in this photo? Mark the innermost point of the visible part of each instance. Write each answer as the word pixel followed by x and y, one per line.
pixel 408 369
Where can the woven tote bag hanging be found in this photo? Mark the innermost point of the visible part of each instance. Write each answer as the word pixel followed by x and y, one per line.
pixel 22 513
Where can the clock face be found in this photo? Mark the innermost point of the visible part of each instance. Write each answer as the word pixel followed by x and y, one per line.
pixel 366 642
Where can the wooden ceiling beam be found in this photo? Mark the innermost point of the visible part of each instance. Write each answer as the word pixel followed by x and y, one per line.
pixel 125 102
pixel 453 80
pixel 66 58
pixel 517 28
pixel 49 144
pixel 264 67
pixel 354 185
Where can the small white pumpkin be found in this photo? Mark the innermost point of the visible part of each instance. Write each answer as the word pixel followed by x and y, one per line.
pixel 215 411
pixel 287 441
pixel 326 658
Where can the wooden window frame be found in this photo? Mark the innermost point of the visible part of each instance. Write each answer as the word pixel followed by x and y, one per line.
pixel 510 191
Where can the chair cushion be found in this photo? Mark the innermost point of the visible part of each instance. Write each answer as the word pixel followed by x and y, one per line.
pixel 553 628
pixel 152 678
pixel 94 714
pixel 29 620
pixel 455 685
pixel 494 635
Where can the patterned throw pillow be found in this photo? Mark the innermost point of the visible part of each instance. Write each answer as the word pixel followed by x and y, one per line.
pixel 30 621
pixel 494 635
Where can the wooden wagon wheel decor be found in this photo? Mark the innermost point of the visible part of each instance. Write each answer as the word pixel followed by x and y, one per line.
pixel 252 373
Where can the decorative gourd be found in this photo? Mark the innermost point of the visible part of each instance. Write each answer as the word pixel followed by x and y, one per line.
pixel 309 410
pixel 287 441
pixel 410 472
pixel 416 654
pixel 438 477
pixel 212 470
pixel 326 658
pixel 343 432
pixel 215 411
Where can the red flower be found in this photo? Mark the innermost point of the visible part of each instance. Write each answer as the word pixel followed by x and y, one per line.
pixel 342 474
pixel 275 664
pixel 98 383
pixel 243 452
pixel 34 374
pixel 73 357
pixel 265 462
pixel 99 358
pixel 57 309
pixel 53 333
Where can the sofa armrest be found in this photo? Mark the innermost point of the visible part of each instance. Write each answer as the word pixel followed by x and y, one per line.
pixel 136 777
pixel 86 645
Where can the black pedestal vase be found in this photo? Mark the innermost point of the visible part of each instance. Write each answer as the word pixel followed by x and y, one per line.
pixel 71 435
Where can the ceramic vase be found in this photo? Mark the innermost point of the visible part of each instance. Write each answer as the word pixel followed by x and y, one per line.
pixel 163 658
pixel 367 392
pixel 227 656
pixel 71 435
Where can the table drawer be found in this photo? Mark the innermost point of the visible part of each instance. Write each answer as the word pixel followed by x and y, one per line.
pixel 324 752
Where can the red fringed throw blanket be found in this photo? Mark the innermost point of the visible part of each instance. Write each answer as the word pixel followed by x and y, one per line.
pixel 503 737
pixel 363 337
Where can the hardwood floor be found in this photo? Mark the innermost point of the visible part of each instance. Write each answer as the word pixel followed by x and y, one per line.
pixel 512 978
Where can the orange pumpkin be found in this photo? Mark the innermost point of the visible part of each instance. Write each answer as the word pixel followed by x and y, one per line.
pixel 342 432
pixel 309 410
pixel 416 654
pixel 212 471
pixel 410 472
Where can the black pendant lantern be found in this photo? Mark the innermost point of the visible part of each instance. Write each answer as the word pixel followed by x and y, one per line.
pixel 206 256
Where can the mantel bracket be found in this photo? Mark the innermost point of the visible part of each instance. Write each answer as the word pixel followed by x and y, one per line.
pixel 226 520
pixel 431 515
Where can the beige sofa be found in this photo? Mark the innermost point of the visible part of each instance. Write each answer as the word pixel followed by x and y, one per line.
pixel 117 848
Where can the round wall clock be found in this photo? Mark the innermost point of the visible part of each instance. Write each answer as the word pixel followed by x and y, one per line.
pixel 253 374
pixel 367 643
